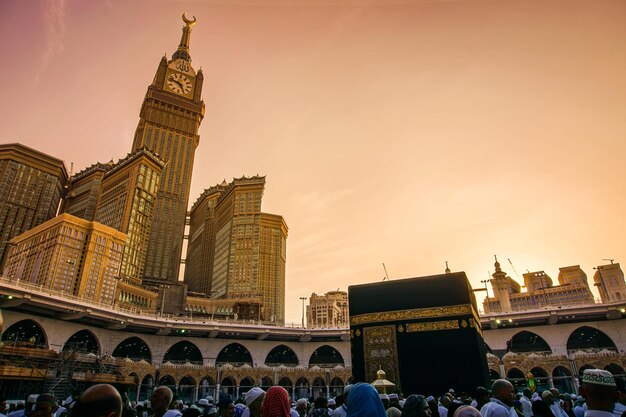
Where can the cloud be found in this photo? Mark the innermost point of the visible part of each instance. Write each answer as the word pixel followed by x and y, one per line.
pixel 54 21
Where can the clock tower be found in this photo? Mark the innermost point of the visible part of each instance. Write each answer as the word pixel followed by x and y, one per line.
pixel 170 117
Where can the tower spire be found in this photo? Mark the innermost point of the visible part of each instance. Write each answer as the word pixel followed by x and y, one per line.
pixel 183 48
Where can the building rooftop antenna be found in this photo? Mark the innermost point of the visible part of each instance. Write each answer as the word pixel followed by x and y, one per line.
pixel 610 260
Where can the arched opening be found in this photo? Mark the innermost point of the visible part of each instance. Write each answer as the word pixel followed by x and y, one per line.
pixel 183 352
pixel 228 386
pixel 562 379
pixel 326 357
pixel 245 385
pixel 302 388
pixel 336 387
pixel 25 333
pixel 589 339
pixel 517 378
pixel 542 380
pixel 82 341
pixel 132 388
pixel 186 387
pixel 206 388
pixel 584 368
pixel 234 354
pixel 168 381
pixel 616 370
pixel 319 388
pixel 285 383
pixel 493 375
pixel 145 389
pixel 281 355
pixel 524 342
pixel 133 348
pixel 266 383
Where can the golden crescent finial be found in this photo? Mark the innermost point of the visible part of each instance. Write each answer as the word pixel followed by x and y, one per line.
pixel 189 22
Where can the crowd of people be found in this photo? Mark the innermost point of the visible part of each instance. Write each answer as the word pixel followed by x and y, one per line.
pixel 601 395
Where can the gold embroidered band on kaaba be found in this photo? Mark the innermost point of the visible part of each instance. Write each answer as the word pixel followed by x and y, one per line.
pixel 433 325
pixel 419 313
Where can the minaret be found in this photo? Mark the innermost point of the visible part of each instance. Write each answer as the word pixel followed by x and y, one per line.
pixel 169 120
pixel 501 287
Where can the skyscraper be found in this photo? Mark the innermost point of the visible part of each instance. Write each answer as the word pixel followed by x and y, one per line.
pixel 120 195
pixel 68 254
pixel 31 187
pixel 235 251
pixel 170 117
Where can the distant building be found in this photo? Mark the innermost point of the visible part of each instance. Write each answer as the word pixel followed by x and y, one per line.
pixel 68 254
pixel 328 310
pixel 610 282
pixel 540 291
pixel 31 187
pixel 237 252
pixel 170 117
pixel 120 195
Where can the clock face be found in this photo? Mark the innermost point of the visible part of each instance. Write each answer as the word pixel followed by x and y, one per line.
pixel 178 83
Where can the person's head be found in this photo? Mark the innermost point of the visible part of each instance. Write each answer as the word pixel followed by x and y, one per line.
pixel 100 400
pixel 527 392
pixel 161 399
pixel 45 406
pixel 320 402
pixel 548 397
pixel 445 401
pixel 416 406
pixel 226 406
pixel 503 390
pixel 276 403
pixel 567 405
pixel 332 404
pixel 385 399
pixel 254 399
pixel 482 396
pixel 365 402
pixel 541 408
pixel 467 411
pixel 302 406
pixel 600 390
pixel 555 393
pixel 346 393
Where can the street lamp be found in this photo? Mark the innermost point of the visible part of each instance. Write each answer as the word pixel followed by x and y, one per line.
pixel 485 281
pixel 303 299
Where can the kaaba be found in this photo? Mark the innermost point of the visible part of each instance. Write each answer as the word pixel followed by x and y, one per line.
pixel 423 332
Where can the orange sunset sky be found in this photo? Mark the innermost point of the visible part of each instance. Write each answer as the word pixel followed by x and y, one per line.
pixel 403 132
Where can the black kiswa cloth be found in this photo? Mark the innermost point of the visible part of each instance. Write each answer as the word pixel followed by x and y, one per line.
pixel 423 332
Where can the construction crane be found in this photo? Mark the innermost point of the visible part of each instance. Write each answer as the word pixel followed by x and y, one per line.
pixel 513 268
pixel 386 274
pixel 610 260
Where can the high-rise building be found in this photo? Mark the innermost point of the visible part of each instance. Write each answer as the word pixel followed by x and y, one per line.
pixel 169 121
pixel 540 291
pixel 31 187
pixel 610 282
pixel 68 254
pixel 235 251
pixel 120 195
pixel 328 310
